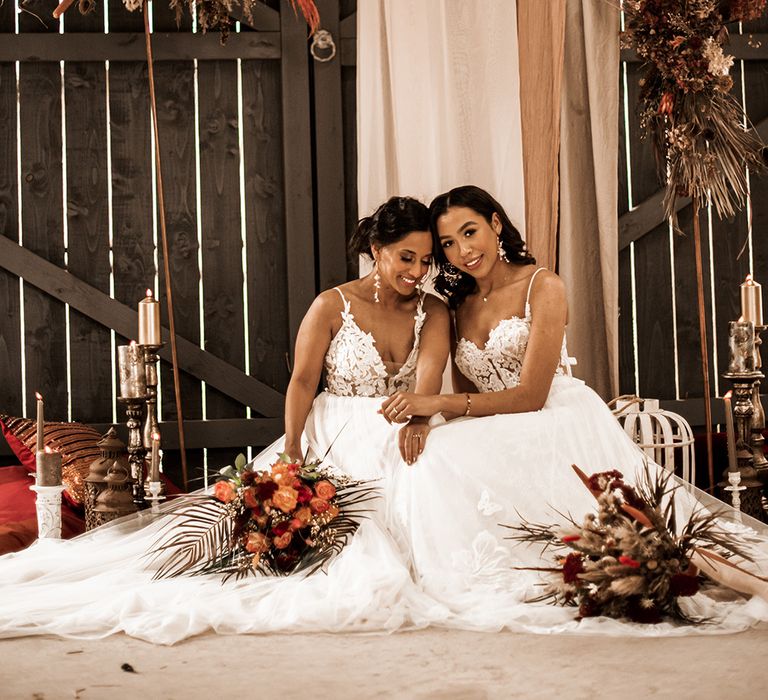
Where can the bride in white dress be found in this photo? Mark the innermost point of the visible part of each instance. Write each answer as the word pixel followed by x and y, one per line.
pixel 432 551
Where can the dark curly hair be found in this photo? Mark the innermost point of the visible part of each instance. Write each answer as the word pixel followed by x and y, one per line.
pixel 390 223
pixel 451 282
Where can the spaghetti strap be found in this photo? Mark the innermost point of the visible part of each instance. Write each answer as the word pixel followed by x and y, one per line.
pixel 530 284
pixel 344 299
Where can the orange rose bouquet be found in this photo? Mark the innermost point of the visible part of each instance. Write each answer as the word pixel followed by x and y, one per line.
pixel 292 517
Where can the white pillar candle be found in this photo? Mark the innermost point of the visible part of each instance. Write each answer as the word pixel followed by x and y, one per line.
pixel 730 433
pixel 752 301
pixel 149 320
pixel 40 423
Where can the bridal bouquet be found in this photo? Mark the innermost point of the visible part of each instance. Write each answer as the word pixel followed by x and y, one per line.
pixel 293 517
pixel 627 560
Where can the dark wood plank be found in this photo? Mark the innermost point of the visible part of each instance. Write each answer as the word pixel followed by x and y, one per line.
pixel 221 239
pixel 124 319
pixel 88 225
pixel 42 220
pixel 10 309
pixel 265 225
pixel 175 88
pixel 297 159
pixel 626 340
pixel 329 159
pixel 349 115
pixel 689 346
pixel 655 329
pixel 119 46
pixel 644 179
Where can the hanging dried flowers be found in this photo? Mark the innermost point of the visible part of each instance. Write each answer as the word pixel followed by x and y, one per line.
pixel 703 148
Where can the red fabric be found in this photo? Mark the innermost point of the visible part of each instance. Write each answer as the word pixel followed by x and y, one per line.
pixel 18 520
pixel 22 452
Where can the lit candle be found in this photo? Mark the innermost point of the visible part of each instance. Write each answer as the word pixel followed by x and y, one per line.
pixel 48 468
pixel 741 347
pixel 155 463
pixel 133 376
pixel 730 433
pixel 149 320
pixel 752 301
pixel 40 423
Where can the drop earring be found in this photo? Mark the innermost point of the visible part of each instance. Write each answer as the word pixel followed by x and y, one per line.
pixel 502 253
pixel 376 284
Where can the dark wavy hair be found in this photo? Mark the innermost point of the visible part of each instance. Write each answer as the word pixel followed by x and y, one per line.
pixel 451 282
pixel 390 223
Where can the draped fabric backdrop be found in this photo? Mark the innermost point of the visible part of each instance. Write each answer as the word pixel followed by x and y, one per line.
pixel 438 101
pixel 439 91
pixel 589 227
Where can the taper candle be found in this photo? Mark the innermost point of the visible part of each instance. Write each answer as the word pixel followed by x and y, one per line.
pixel 149 320
pixel 133 376
pixel 154 473
pixel 48 468
pixel 730 433
pixel 752 301
pixel 40 423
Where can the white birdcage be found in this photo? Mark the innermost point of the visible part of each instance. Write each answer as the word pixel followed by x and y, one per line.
pixel 664 436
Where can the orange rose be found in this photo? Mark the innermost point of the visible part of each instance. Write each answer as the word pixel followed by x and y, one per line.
pixel 257 543
pixel 303 515
pixel 295 524
pixel 283 472
pixel 319 505
pixel 325 490
pixel 285 498
pixel 331 513
pixel 283 541
pixel 224 491
pixel 249 498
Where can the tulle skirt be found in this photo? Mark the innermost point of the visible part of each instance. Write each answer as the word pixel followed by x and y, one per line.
pixel 433 549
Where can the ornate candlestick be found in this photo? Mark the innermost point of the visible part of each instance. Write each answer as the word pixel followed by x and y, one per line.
pixel 48 507
pixel 756 440
pixel 150 363
pixel 134 409
pixel 743 410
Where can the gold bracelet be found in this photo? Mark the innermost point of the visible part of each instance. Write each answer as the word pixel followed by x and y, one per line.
pixel 469 404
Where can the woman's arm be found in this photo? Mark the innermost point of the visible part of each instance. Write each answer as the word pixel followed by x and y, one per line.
pixel 430 365
pixel 549 312
pixel 312 343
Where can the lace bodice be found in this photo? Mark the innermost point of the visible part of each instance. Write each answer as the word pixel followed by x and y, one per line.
pixel 497 365
pixel 353 365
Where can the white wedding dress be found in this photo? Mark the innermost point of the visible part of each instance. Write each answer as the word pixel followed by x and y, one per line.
pixel 431 552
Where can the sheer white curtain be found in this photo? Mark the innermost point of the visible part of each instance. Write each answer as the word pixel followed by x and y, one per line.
pixel 438 100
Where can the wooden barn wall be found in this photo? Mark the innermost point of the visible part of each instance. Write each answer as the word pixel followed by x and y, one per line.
pixel 659 352
pixel 77 187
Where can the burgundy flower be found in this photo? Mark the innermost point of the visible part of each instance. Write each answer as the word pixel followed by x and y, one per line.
pixel 683 585
pixel 265 489
pixel 589 608
pixel 643 611
pixel 305 494
pixel 247 477
pixel 281 528
pixel 572 567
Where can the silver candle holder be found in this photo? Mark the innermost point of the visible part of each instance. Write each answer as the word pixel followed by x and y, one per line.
pixel 134 410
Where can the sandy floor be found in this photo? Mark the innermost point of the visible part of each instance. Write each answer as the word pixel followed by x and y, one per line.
pixel 426 664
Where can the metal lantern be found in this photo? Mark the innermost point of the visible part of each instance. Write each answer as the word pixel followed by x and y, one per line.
pixel 664 436
pixel 106 475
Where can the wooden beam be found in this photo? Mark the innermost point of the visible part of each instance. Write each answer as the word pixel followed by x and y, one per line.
pixel 645 217
pixel 129 46
pixel 649 214
pixel 348 52
pixel 262 18
pixel 329 159
pixel 62 285
pixel 297 170
pixel 749 47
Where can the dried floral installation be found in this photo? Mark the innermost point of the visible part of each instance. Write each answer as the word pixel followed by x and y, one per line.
pixel 703 142
pixel 293 518
pixel 628 560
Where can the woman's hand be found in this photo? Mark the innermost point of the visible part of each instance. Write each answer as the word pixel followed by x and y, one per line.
pixel 399 407
pixel 293 450
pixel 412 438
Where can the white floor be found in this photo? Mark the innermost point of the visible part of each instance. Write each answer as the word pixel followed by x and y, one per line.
pixel 426 664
